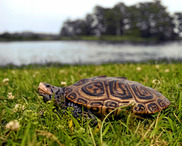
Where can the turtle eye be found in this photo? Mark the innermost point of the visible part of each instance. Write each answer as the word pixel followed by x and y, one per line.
pixel 47 86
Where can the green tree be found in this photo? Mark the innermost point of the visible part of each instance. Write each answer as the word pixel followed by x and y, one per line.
pixel 109 21
pixel 178 23
pixel 73 28
pixel 131 21
pixel 6 36
pixel 99 18
pixel 89 22
pixel 151 20
pixel 67 28
pixel 120 18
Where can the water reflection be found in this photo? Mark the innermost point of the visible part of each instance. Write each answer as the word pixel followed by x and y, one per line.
pixel 84 52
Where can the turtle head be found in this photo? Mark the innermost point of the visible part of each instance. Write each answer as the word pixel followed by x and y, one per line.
pixel 48 91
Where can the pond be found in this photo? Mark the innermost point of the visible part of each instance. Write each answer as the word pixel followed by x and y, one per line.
pixel 84 52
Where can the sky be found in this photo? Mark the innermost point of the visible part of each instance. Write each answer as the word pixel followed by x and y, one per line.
pixel 47 16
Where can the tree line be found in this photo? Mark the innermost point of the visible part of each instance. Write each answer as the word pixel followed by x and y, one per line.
pixel 25 36
pixel 145 20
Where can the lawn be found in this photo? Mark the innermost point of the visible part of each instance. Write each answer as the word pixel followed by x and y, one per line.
pixel 26 120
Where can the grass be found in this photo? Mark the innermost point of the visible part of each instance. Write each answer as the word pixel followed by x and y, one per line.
pixel 39 123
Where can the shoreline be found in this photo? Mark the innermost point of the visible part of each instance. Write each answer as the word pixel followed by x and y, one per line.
pixel 58 64
pixel 98 41
pixel 105 39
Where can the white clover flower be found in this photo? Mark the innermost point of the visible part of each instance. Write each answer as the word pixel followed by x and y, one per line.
pixel 35 74
pixel 10 96
pixel 13 71
pixel 60 127
pixel 61 71
pixel 5 80
pixel 156 82
pixel 81 130
pixel 157 66
pixel 63 83
pixel 166 70
pixel 18 107
pixel 13 125
pixel 138 68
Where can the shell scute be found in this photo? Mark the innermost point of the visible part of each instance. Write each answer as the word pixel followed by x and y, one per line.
pixel 97 103
pixel 68 90
pixel 111 104
pixel 81 82
pixel 119 90
pixel 96 110
pixel 81 100
pixel 140 108
pixel 93 89
pixel 72 96
pixel 153 107
pixel 142 93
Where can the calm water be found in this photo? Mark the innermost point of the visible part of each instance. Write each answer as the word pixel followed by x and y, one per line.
pixel 84 52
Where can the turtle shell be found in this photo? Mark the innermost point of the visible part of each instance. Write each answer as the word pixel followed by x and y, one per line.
pixel 102 94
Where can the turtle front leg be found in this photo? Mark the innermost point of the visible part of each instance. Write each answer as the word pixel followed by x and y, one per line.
pixel 89 115
pixel 78 112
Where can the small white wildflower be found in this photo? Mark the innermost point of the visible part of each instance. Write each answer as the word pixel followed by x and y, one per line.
pixel 49 102
pixel 81 130
pixel 13 125
pixel 166 70
pixel 63 83
pixel 18 107
pixel 13 71
pixel 5 80
pixel 156 82
pixel 61 71
pixel 138 68
pixel 84 74
pixel 10 96
pixel 157 66
pixel 35 74
pixel 60 127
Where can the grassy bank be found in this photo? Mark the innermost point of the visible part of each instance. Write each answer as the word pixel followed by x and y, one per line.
pixel 26 120
pixel 104 38
pixel 113 38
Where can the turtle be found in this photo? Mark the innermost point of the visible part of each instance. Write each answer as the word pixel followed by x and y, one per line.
pixel 101 94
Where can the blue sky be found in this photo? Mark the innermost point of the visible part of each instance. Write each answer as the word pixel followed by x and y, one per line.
pixel 47 16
